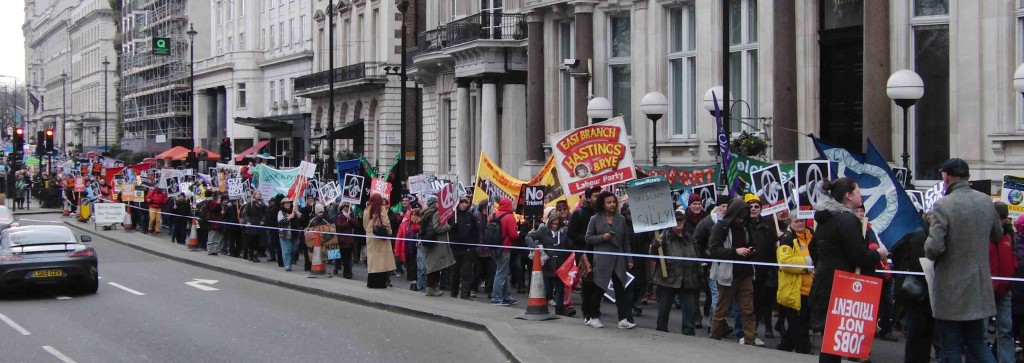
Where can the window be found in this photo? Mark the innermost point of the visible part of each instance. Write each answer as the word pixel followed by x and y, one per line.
pixel 242 101
pixel 220 47
pixel 565 92
pixel 230 10
pixel 444 128
pixel 682 71
pixel 618 67
pixel 241 9
pixel 280 88
pixel 743 67
pixel 302 26
pixel 241 41
pixel 291 31
pixel 930 50
pixel 231 44
pixel 280 34
pixel 220 11
pixel 273 96
pixel 271 37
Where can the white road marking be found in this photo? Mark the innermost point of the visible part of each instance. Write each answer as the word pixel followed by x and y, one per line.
pixel 196 283
pixel 14 325
pixel 125 288
pixel 56 353
pixel 63 298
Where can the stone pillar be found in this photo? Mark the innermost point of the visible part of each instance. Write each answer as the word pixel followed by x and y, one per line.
pixel 515 142
pixel 489 119
pixel 584 18
pixel 877 105
pixel 222 115
pixel 534 87
pixel 464 140
pixel 784 142
pixel 209 101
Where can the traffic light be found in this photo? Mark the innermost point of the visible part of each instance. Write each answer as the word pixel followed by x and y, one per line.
pixel 48 144
pixel 225 149
pixel 18 141
pixel 40 149
pixel 191 160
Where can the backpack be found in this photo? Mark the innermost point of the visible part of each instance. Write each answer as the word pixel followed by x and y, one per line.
pixel 492 232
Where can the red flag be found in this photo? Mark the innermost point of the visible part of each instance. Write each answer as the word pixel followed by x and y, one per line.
pixel 569 272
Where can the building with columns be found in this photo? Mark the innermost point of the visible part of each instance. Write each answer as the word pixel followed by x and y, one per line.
pixel 66 42
pixel 255 49
pixel 494 77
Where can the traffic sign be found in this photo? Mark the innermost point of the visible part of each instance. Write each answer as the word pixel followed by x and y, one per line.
pixel 161 46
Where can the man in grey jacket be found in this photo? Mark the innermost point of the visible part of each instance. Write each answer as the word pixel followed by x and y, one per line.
pixel 963 225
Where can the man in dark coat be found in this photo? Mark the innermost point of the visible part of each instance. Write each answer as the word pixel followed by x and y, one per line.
pixel 578 222
pixel 465 230
pixel 731 240
pixel 766 280
pixel 182 211
pixel 963 224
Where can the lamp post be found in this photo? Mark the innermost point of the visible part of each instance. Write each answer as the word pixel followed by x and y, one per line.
pixel 192 75
pixel 654 105
pixel 64 109
pixel 314 147
pixel 106 141
pixel 905 87
pixel 330 88
pixel 599 109
pixel 403 167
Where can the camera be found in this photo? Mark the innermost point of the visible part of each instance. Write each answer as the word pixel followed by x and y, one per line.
pixel 571 62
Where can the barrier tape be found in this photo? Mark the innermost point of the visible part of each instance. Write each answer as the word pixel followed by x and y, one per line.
pixel 622 254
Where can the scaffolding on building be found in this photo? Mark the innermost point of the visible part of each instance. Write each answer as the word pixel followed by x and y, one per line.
pixel 155 88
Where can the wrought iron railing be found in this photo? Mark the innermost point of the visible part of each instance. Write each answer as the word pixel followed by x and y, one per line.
pixel 364 70
pixel 483 25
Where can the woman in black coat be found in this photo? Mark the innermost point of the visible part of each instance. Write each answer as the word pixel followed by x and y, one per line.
pixel 548 235
pixel 838 244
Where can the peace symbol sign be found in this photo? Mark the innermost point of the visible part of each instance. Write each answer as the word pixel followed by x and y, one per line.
pixel 770 188
pixel 706 197
pixel 814 178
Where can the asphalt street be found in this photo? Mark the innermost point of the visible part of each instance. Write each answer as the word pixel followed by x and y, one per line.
pixel 150 309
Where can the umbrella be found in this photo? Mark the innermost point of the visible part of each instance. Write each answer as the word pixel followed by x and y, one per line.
pixel 172 153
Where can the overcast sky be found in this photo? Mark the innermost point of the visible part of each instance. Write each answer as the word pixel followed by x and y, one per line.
pixel 12 41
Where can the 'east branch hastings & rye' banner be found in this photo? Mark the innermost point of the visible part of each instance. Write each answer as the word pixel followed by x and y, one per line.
pixel 594 155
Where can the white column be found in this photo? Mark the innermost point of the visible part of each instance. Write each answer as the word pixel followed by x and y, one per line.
pixel 489 120
pixel 464 139
pixel 513 127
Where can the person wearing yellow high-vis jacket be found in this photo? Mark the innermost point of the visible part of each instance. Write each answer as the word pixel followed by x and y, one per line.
pixel 795 286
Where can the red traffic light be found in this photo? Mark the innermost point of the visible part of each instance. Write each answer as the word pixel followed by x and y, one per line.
pixel 49 132
pixel 19 131
pixel 226 140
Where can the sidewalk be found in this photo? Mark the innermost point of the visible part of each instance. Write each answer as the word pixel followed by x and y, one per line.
pixel 562 340
pixel 36 211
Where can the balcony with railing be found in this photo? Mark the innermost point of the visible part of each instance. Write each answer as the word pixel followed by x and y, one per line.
pixel 355 75
pixel 481 26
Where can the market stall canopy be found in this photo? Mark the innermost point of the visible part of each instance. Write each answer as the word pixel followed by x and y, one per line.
pixel 169 154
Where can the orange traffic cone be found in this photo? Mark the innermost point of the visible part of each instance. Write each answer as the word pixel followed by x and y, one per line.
pixel 193 238
pixel 537 304
pixel 67 209
pixel 316 264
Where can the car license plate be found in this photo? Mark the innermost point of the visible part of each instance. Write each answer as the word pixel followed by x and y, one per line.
pixel 48 273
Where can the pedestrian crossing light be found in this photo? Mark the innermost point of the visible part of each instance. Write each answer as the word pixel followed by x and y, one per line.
pixel 18 141
pixel 48 144
pixel 161 46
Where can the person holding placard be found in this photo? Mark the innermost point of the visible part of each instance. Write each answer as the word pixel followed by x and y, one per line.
pixel 838 245
pixel 730 240
pixel 607 232
pixel 380 259
pixel 684 278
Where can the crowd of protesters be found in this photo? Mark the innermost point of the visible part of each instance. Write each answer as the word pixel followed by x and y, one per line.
pixel 460 256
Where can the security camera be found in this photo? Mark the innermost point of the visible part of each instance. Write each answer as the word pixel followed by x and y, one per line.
pixel 570 62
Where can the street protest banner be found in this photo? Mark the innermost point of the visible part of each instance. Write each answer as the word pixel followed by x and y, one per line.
pixel 271 181
pixel 108 213
pixel 650 204
pixel 932 195
pixel 810 176
pixel 708 195
pixel 917 197
pixel 1013 195
pixel 79 184
pixel 418 184
pixel 234 188
pixel 492 184
pixel 330 249
pixel 173 186
pixel 329 192
pixel 767 184
pixel 790 185
pixel 886 204
pixel 594 155
pixel 901 175
pixel 352 193
pixel 381 187
pixel 447 201
pixel 852 315
pixel 686 176
pixel 741 167
pixel 533 202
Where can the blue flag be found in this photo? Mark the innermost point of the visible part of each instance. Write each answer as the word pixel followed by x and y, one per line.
pixel 347 167
pixel 888 207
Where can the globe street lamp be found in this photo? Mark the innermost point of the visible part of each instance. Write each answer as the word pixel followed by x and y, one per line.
pixel 1018 79
pixel 106 141
pixel 654 105
pixel 599 109
pixel 905 87
pixel 192 75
